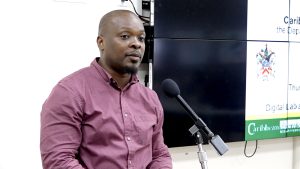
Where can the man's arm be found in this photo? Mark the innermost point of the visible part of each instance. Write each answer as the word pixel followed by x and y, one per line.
pixel 61 129
pixel 161 158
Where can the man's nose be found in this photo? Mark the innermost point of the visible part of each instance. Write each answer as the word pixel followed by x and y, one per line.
pixel 136 43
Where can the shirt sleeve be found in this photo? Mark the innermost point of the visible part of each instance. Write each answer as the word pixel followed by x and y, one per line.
pixel 161 158
pixel 61 129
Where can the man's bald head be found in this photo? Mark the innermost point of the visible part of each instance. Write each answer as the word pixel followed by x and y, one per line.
pixel 121 42
pixel 109 17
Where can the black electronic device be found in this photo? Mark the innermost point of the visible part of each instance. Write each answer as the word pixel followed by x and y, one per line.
pixel 201 45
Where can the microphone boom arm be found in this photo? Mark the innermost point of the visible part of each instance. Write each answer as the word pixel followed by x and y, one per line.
pixel 198 121
pixel 215 140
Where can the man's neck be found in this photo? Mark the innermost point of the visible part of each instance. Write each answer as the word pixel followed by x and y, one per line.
pixel 121 79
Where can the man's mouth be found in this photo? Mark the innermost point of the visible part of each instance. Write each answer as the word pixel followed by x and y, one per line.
pixel 136 56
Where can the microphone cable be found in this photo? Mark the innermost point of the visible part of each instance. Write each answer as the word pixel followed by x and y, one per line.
pixel 143 18
pixel 245 149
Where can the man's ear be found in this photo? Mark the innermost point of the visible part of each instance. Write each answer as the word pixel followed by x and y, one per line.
pixel 100 42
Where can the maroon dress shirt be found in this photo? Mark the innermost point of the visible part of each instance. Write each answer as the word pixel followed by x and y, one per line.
pixel 87 122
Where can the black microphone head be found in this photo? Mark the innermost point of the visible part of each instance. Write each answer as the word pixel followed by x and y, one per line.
pixel 170 88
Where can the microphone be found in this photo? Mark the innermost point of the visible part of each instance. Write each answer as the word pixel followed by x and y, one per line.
pixel 171 89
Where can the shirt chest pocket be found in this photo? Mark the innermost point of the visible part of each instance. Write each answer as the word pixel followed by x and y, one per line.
pixel 144 126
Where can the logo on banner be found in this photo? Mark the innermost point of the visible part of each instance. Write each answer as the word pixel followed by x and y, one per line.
pixel 265 60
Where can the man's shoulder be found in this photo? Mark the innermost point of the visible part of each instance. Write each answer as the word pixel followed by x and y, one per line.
pixel 76 76
pixel 78 79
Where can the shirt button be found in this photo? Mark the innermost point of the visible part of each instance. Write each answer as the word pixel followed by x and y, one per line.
pixel 128 138
pixel 129 162
pixel 125 114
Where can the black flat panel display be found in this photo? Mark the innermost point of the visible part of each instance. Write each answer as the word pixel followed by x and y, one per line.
pixel 205 19
pixel 236 64
pixel 211 76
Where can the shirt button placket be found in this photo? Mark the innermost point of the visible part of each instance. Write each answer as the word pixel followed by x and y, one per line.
pixel 127 120
pixel 130 164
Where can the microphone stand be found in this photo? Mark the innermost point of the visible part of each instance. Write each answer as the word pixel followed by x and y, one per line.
pixel 201 153
pixel 199 141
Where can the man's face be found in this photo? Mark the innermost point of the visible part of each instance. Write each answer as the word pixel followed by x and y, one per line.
pixel 123 44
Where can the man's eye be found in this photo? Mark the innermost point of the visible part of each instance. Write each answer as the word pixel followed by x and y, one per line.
pixel 124 36
pixel 142 39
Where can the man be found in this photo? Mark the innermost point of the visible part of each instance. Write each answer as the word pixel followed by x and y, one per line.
pixel 100 117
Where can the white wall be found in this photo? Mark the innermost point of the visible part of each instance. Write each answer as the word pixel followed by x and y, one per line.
pixel 42 41
pixel 274 154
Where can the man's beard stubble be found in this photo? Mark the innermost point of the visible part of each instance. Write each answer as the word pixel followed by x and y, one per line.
pixel 130 70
